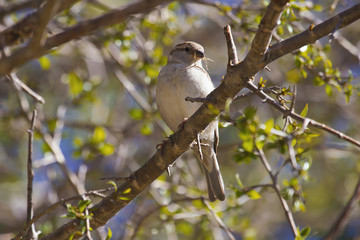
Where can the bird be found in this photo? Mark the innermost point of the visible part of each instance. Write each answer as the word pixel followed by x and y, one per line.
pixel 184 76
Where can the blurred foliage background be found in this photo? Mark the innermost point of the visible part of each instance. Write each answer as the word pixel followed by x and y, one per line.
pixel 100 109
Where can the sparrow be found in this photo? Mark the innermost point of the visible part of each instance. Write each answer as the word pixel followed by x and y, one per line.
pixel 184 76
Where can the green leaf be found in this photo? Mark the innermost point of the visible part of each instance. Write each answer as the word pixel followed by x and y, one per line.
pixel 136 113
pixel 249 112
pixel 293 75
pixel 75 84
pixel 45 63
pixel 126 191
pixel 304 111
pixel 253 194
pixel 146 129
pixel 269 125
pixel 106 149
pixel 318 81
pixel 78 142
pixel 328 90
pixel 83 204
pixel 317 7
pixel 248 145
pixel 109 234
pixel 238 180
pixel 99 135
pixel 305 231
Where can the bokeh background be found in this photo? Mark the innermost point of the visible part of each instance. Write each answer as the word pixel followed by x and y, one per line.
pixel 100 109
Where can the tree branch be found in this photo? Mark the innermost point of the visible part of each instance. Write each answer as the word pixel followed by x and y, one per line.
pixel 277 189
pixel 235 79
pixel 311 35
pixel 344 216
pixel 306 121
pixel 30 210
pixel 79 30
pixel 23 29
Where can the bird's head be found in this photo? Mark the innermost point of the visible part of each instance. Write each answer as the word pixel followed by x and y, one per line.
pixel 187 53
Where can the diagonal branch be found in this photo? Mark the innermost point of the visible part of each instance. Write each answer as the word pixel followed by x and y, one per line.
pixel 306 121
pixel 314 33
pixel 235 79
pixel 344 216
pixel 79 30
pixel 23 29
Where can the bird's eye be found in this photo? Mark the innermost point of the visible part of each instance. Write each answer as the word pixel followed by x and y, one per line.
pixel 187 49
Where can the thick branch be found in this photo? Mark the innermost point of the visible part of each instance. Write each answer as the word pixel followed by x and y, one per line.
pixel 24 28
pixel 313 33
pixel 234 80
pixel 79 30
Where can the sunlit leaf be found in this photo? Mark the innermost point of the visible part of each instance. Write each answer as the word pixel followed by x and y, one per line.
pixel 45 63
pixel 304 111
pixel 253 194
pixel 99 135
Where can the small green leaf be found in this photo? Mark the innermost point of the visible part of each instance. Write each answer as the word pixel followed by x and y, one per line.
pixel 109 234
pixel 136 113
pixel 45 63
pixel 293 75
pixel 75 84
pixel 248 145
pixel 318 81
pixel 328 90
pixel 305 231
pixel 78 142
pixel 146 129
pixel 304 111
pixel 99 135
pixel 106 149
pixel 113 183
pixel 124 198
pixel 269 125
pixel 126 191
pixel 238 180
pixel 253 194
pixel 317 7
pixel 83 204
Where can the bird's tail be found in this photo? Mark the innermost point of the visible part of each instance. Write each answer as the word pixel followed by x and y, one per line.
pixel 214 181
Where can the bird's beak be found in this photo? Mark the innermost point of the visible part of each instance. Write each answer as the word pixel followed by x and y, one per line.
pixel 199 54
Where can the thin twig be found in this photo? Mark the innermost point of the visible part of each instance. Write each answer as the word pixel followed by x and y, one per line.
pixel 277 189
pixel 155 209
pixel 232 55
pixel 218 219
pixel 30 210
pixel 267 99
pixel 14 78
pixel 270 89
pixel 344 216
pixel 94 193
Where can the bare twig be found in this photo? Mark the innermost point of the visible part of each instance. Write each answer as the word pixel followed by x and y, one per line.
pixel 94 193
pixel 155 209
pixel 277 189
pixel 235 79
pixel 30 210
pixel 13 77
pixel 232 55
pixel 218 219
pixel 267 99
pixel 313 34
pixel 79 30
pixel 344 216
pixel 271 89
